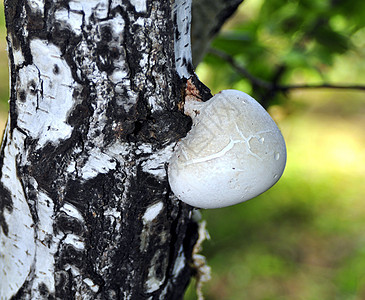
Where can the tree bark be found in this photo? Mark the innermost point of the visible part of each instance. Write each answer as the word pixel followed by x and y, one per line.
pixel 208 18
pixel 85 207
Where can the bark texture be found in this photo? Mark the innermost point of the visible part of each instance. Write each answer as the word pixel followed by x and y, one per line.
pixel 85 207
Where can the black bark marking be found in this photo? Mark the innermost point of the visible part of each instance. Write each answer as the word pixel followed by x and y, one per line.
pixel 56 69
pixel 66 224
pixel 43 290
pixel 29 192
pixel 47 165
pixel 91 199
pixel 32 87
pixel 5 195
pixel 22 96
pixel 187 28
pixel 204 91
pixel 5 203
pixel 13 114
pixel 35 21
pixel 191 70
pixel 64 285
pixel 13 10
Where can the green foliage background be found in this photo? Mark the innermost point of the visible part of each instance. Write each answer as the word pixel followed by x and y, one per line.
pixel 304 238
pixel 4 71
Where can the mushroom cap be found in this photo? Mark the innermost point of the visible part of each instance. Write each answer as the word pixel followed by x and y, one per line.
pixel 233 152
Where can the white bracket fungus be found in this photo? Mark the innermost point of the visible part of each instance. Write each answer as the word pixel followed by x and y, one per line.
pixel 233 152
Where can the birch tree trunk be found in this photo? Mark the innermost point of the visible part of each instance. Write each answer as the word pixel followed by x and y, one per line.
pixel 85 207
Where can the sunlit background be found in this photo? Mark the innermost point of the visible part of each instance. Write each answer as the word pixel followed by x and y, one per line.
pixel 305 238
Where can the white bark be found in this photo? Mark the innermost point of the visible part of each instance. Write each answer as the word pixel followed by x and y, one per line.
pixel 182 45
pixel 17 241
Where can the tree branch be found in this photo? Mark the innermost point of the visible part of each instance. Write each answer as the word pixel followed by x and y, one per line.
pixel 321 85
pixel 277 87
pixel 208 18
pixel 241 70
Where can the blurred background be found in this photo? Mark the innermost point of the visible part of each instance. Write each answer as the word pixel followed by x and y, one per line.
pixel 4 72
pixel 304 238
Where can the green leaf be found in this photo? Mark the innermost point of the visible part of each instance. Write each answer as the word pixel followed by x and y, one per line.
pixel 333 41
pixel 233 43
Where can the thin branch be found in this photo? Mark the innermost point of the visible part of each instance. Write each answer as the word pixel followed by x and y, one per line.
pixel 268 85
pixel 254 80
pixel 319 86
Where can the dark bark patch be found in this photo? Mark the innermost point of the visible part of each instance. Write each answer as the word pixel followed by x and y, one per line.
pixel 177 32
pixel 32 87
pixel 106 33
pixel 92 198
pixel 47 165
pixel 125 121
pixel 169 126
pixel 30 192
pixel 70 256
pixel 79 114
pixel 64 285
pixel 82 112
pixel 43 291
pixel 106 56
pixel 56 69
pixel 204 92
pixel 127 257
pixel 66 224
pixel 13 10
pixel 13 108
pixel 188 239
pixel 35 20
pixel 73 191
pixel 62 35
pixel 22 96
pixel 108 50
pixel 5 195
pixel 5 203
